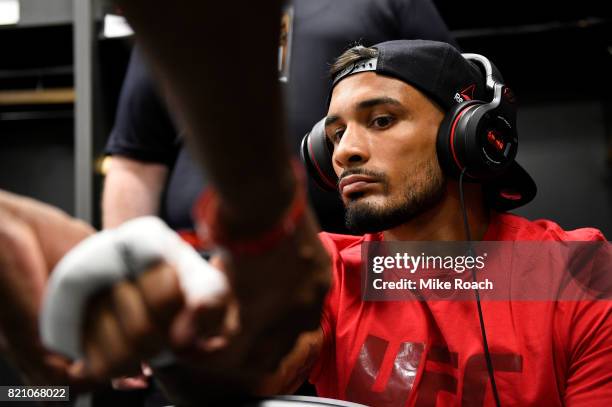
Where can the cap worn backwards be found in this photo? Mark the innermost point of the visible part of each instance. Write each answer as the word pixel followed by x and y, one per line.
pixel 435 68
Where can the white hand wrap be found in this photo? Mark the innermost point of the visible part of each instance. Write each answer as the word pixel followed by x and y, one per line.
pixel 115 255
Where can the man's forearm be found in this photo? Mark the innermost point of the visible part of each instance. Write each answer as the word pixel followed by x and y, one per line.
pixel 33 238
pixel 227 93
pixel 131 189
pixel 45 221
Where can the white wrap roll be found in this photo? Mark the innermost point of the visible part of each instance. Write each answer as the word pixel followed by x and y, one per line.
pixel 111 256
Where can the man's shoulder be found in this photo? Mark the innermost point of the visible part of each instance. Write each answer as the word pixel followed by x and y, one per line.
pixel 517 228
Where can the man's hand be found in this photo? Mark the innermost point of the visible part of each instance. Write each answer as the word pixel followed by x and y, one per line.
pixel 33 237
pixel 125 325
pixel 130 294
pixel 136 321
pixel 221 349
pixel 280 295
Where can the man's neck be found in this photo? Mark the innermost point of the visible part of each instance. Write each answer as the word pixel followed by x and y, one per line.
pixel 445 220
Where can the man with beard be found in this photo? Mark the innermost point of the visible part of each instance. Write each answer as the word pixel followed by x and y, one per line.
pixel 401 156
pixel 391 134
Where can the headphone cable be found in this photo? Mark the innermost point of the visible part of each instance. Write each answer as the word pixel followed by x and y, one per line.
pixel 483 332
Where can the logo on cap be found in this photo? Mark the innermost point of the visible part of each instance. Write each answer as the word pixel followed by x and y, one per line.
pixel 364 65
pixel 465 94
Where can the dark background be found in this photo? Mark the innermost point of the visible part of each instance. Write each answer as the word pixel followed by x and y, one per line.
pixel 558 58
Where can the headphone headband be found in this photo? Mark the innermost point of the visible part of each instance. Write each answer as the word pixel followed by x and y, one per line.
pixel 492 74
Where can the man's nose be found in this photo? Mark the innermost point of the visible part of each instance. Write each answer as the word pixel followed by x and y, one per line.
pixel 353 149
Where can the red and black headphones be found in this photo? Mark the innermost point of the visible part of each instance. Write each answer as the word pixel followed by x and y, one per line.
pixel 477 135
pixel 474 134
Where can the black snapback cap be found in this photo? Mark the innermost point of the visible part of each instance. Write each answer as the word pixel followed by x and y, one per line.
pixel 440 71
pixel 435 68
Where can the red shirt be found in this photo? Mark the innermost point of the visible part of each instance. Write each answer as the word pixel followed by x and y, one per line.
pixel 430 353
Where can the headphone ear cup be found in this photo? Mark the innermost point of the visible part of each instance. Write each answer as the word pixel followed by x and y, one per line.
pixel 316 154
pixel 451 134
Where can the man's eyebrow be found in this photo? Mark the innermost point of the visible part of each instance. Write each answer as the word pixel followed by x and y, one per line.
pixel 366 104
pixel 378 101
pixel 329 120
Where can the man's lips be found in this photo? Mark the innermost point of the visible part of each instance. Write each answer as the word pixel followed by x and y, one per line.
pixel 354 183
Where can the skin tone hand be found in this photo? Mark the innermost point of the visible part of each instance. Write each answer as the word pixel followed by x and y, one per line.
pixel 33 237
pixel 220 347
pixel 131 189
pixel 137 320
pixel 277 306
pixel 150 312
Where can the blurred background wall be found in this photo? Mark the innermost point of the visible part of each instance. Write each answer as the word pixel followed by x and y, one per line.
pixel 557 57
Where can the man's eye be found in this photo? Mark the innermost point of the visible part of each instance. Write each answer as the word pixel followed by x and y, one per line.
pixel 382 121
pixel 336 135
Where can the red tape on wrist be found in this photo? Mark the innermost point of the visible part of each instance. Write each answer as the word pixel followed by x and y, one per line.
pixel 210 230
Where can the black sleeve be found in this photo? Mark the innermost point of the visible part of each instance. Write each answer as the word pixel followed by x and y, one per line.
pixel 420 19
pixel 143 127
